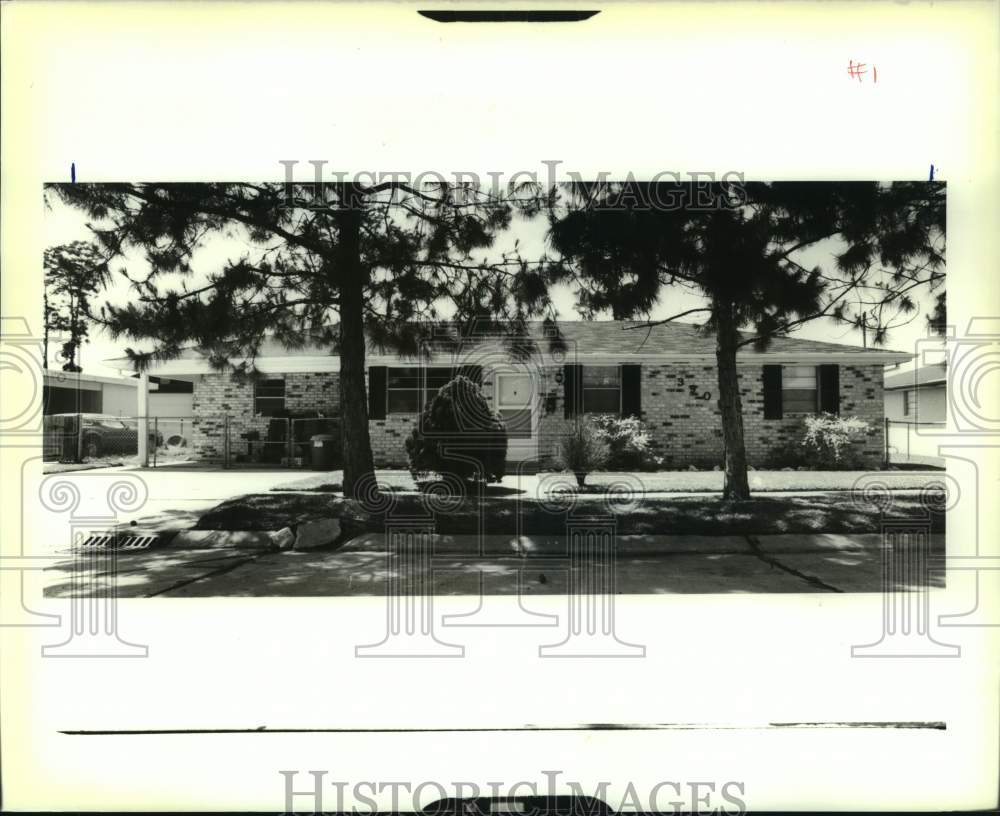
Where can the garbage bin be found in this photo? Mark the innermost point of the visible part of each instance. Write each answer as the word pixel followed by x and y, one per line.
pixel 324 451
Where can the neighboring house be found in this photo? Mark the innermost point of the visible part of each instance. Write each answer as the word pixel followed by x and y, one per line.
pixel 916 407
pixel 66 392
pixel 666 375
pixel 917 395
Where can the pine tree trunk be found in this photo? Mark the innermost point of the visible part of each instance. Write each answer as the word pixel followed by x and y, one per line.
pixel 356 443
pixel 736 485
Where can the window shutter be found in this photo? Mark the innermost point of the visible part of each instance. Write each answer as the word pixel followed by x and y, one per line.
pixel 829 388
pixel 631 391
pixel 473 372
pixel 572 383
pixel 772 392
pixel 377 378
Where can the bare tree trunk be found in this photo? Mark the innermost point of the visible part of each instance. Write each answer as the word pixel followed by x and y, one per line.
pixel 351 278
pixel 736 485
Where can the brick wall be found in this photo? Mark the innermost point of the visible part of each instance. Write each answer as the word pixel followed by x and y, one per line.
pixel 217 395
pixel 388 438
pixel 678 406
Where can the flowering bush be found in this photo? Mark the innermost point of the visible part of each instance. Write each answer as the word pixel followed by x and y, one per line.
pixel 583 451
pixel 627 439
pixel 825 444
pixel 827 440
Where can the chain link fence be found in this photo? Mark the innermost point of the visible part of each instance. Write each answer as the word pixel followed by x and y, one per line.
pixel 90 438
pixel 96 439
pixel 278 441
pixel 913 443
pixel 230 441
pixel 174 440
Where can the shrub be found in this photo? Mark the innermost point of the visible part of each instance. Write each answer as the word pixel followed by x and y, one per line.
pixel 459 434
pixel 827 440
pixel 787 455
pixel 583 451
pixel 826 444
pixel 628 442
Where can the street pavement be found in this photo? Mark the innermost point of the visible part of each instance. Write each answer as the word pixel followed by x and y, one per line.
pixel 503 565
pixel 174 498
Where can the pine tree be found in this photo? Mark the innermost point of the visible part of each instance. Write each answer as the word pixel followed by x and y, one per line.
pixel 937 320
pixel 75 274
pixel 326 264
pixel 627 246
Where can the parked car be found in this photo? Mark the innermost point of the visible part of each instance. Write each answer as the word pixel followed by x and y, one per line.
pixel 105 435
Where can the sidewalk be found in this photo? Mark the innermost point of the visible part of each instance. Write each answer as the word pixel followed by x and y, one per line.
pixel 503 565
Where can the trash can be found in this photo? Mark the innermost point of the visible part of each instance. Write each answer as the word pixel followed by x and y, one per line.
pixel 324 451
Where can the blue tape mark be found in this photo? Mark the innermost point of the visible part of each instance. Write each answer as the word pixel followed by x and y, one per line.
pixel 72 172
pixel 932 173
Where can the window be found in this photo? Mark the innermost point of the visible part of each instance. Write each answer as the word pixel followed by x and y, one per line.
pixel 602 390
pixel 409 389
pixel 798 389
pixel 269 397
pixel 906 403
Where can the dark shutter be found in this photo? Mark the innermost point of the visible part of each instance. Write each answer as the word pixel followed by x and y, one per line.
pixel 572 384
pixel 829 388
pixel 376 391
pixel 473 372
pixel 631 391
pixel 772 392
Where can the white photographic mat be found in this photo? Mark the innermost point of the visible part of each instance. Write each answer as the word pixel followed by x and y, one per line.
pixel 777 686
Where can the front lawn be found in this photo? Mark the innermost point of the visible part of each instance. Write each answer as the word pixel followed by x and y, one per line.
pixel 693 515
pixel 704 481
pixel 270 511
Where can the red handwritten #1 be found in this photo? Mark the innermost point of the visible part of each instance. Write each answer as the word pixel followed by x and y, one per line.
pixel 857 70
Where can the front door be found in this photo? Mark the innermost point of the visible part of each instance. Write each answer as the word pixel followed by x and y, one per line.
pixel 516 403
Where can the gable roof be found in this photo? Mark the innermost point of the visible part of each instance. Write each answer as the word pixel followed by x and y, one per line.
pixel 933 374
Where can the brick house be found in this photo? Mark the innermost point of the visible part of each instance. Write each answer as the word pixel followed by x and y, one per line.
pixel 664 375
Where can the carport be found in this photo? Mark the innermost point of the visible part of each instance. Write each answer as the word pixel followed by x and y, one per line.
pixel 232 425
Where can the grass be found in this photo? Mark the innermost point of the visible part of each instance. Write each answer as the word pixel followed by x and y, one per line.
pixel 269 511
pixel 693 515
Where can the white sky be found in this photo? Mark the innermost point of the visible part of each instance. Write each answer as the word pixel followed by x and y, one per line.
pixel 64 224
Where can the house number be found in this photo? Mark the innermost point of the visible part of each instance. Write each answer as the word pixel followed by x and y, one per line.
pixel 693 391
